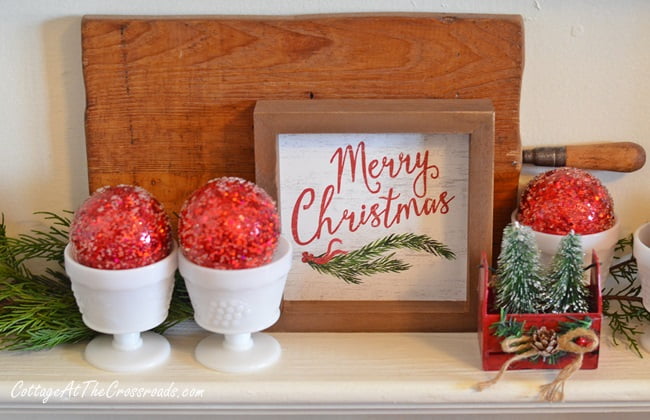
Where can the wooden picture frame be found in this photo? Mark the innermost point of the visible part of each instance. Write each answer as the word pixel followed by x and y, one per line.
pixel 473 118
pixel 279 121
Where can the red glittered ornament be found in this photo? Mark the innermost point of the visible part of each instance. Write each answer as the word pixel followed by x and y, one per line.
pixel 566 199
pixel 119 228
pixel 229 223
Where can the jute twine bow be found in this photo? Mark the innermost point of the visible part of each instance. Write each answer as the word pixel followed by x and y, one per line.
pixel 553 391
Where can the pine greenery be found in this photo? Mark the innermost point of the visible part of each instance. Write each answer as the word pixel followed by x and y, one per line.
pixel 567 291
pixel 519 271
pixel 622 304
pixel 508 327
pixel 369 259
pixel 38 310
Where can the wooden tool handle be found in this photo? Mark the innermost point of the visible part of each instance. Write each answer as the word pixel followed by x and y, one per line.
pixel 619 157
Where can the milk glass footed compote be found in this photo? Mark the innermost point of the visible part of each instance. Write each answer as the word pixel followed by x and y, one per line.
pixel 237 304
pixel 122 304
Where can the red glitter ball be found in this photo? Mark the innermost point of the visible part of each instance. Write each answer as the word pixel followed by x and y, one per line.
pixel 229 223
pixel 566 199
pixel 119 228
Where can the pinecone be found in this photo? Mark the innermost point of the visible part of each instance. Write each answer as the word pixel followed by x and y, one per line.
pixel 545 341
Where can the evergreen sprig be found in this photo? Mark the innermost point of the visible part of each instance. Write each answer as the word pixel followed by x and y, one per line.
pixel 508 327
pixel 370 259
pixel 46 244
pixel 566 326
pixel 38 310
pixel 622 304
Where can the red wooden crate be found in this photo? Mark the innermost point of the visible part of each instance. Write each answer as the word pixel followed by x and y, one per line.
pixel 491 353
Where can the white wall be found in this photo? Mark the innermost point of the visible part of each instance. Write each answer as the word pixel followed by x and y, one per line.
pixel 586 80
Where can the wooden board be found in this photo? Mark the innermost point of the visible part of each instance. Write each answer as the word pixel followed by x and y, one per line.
pixel 170 100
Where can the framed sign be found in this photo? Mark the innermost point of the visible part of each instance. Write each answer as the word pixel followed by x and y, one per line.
pixel 388 205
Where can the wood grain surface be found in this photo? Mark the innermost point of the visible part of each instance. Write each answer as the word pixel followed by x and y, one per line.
pixel 622 156
pixel 618 156
pixel 170 99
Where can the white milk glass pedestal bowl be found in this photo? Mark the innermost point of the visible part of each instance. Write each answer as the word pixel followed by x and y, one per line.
pixel 123 304
pixel 237 304
pixel 641 251
pixel 603 243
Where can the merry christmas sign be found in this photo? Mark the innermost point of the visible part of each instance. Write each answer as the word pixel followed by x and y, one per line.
pixel 362 208
pixel 377 200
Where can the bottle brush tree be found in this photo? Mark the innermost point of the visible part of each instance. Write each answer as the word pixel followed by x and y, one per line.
pixel 519 272
pixel 566 290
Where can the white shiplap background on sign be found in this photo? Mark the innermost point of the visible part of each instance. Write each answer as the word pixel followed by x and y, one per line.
pixel 310 161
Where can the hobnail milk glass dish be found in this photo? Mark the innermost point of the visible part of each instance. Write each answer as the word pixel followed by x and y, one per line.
pixel 237 304
pixel 123 304
pixel 603 243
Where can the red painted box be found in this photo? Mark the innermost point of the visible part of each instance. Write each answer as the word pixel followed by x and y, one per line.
pixel 494 357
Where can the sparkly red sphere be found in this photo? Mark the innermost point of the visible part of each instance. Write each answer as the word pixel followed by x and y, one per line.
pixel 566 199
pixel 120 227
pixel 229 223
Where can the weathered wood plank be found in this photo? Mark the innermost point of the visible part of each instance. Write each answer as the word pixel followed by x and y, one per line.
pixel 170 99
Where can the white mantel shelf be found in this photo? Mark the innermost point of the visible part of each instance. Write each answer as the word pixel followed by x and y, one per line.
pixel 327 373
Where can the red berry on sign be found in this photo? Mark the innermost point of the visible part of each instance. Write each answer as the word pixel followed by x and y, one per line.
pixel 582 341
pixel 119 228
pixel 229 223
pixel 566 199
